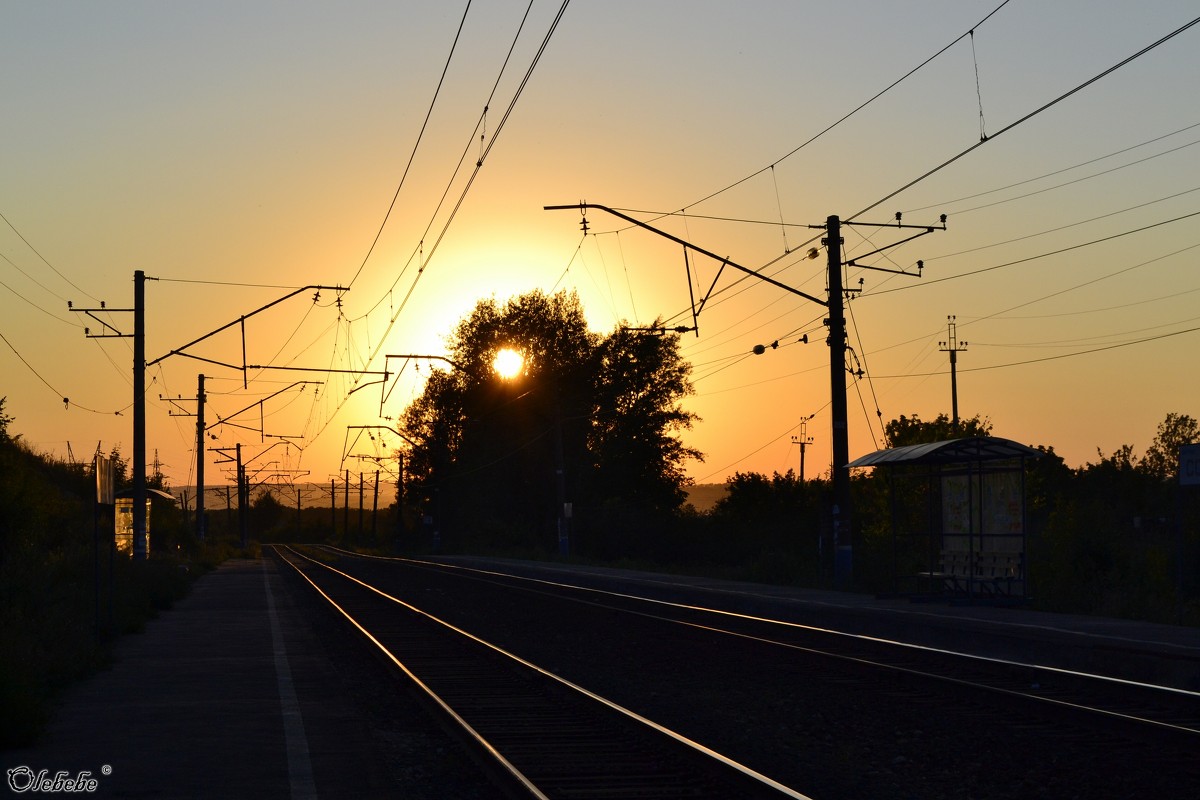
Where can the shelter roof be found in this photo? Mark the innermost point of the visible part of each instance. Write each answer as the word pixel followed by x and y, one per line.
pixel 953 451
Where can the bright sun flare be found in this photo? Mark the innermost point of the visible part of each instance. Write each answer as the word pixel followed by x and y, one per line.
pixel 508 363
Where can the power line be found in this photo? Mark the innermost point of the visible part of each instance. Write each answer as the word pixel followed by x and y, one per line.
pixel 66 400
pixel 230 283
pixel 867 371
pixel 42 257
pixel 1065 227
pixel 1171 296
pixel 1027 117
pixel 418 250
pixel 412 156
pixel 466 189
pixel 1060 228
pixel 760 449
pixel 1072 183
pixel 1089 282
pixel 860 107
pixel 930 282
pixel 35 305
pixel 1053 358
pixel 947 203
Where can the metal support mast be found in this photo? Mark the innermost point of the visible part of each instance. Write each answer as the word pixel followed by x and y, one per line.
pixel 243 496
pixel 139 416
pixel 200 398
pixel 834 302
pixel 843 553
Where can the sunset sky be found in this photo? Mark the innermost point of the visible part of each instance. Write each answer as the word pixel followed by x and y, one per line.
pixel 236 151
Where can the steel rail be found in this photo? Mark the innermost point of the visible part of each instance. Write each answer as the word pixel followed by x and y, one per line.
pixel 507 766
pixel 990 660
pixel 629 714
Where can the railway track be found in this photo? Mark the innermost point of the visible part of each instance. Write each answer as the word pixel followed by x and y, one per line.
pixel 744 684
pixel 536 734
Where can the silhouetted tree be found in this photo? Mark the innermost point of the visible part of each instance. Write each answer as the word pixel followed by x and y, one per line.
pixel 598 414
pixel 266 513
pixel 1162 457
pixel 638 382
pixel 5 420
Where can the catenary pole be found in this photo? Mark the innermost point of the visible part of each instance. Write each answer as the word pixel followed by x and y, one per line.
pixel 140 541
pixel 200 525
pixel 843 553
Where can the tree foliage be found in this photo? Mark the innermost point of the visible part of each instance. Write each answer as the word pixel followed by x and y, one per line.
pixel 905 431
pixel 1162 457
pixel 5 421
pixel 591 420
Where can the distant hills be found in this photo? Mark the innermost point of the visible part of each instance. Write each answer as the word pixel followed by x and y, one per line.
pixel 702 495
pixel 705 495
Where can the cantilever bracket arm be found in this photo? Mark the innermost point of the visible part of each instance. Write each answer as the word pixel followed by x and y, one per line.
pixel 688 245
pixel 923 231
pixel 242 322
pixel 259 403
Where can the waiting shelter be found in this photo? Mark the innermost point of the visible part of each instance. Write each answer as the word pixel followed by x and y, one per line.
pixel 123 518
pixel 958 517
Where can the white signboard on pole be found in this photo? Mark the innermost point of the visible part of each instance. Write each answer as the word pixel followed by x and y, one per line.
pixel 105 480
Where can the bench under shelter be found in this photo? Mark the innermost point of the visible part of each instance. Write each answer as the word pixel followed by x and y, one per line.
pixel 959 527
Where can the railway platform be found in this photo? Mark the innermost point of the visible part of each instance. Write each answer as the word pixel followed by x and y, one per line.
pixel 231 693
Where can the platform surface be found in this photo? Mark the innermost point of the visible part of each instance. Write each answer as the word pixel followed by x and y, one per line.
pixel 228 694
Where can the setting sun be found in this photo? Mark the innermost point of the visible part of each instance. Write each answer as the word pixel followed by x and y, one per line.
pixel 508 363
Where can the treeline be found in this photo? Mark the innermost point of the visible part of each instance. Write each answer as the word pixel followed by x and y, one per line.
pixel 1117 537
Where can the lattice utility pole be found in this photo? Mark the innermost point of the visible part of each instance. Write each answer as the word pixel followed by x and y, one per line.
pixel 953 347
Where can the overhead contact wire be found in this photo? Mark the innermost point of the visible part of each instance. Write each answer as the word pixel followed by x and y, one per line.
pixel 412 156
pixel 1027 117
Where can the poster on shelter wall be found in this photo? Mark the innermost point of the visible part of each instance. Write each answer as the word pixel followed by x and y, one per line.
pixel 956 511
pixel 994 517
pixel 1003 517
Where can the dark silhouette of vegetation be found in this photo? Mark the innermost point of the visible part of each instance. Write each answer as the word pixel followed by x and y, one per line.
pixel 904 431
pixel 592 421
pixel 60 606
pixel 1121 537
pixel 770 527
